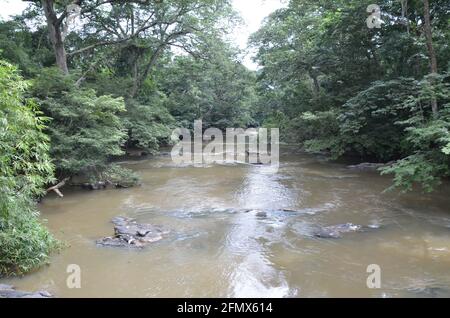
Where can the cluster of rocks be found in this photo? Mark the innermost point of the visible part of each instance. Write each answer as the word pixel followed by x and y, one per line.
pixel 8 291
pixel 328 232
pixel 318 231
pixel 325 232
pixel 129 233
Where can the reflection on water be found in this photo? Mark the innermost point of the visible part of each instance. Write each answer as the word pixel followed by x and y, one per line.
pixel 240 230
pixel 254 274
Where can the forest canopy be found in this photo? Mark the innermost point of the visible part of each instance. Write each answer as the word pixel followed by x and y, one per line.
pixel 378 94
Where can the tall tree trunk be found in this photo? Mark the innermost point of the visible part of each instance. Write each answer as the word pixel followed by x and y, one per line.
pixel 431 52
pixel 405 14
pixel 315 84
pixel 139 79
pixel 55 34
pixel 135 87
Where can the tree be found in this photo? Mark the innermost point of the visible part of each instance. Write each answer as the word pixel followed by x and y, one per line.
pixel 146 31
pixel 150 26
pixel 219 90
pixel 57 14
pixel 85 130
pixel 56 32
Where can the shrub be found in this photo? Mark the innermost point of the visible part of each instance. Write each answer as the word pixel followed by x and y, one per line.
pixel 85 129
pixel 25 167
pixel 428 135
pixel 149 124
pixel 120 177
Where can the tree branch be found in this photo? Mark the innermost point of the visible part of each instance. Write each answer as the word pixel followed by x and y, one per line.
pixel 57 187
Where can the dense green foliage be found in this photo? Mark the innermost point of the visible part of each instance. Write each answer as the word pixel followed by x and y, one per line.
pixel 334 84
pixel 148 125
pixel 124 88
pixel 85 130
pixel 427 158
pixel 218 90
pixel 25 167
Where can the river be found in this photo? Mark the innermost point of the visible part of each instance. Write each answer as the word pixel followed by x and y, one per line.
pixel 214 251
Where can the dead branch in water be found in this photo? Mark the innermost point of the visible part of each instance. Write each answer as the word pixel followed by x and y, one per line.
pixel 57 186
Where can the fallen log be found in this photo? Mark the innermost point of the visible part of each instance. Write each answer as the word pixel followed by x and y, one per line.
pixel 56 187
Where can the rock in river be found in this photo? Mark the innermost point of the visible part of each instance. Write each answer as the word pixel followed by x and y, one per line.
pixel 7 291
pixel 336 231
pixel 129 233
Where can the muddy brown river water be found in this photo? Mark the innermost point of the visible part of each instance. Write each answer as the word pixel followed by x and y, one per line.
pixel 215 252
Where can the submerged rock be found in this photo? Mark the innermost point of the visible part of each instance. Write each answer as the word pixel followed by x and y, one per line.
pixel 430 291
pixel 261 214
pixel 94 185
pixel 8 291
pixel 432 247
pixel 129 233
pixel 336 231
pixel 136 153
